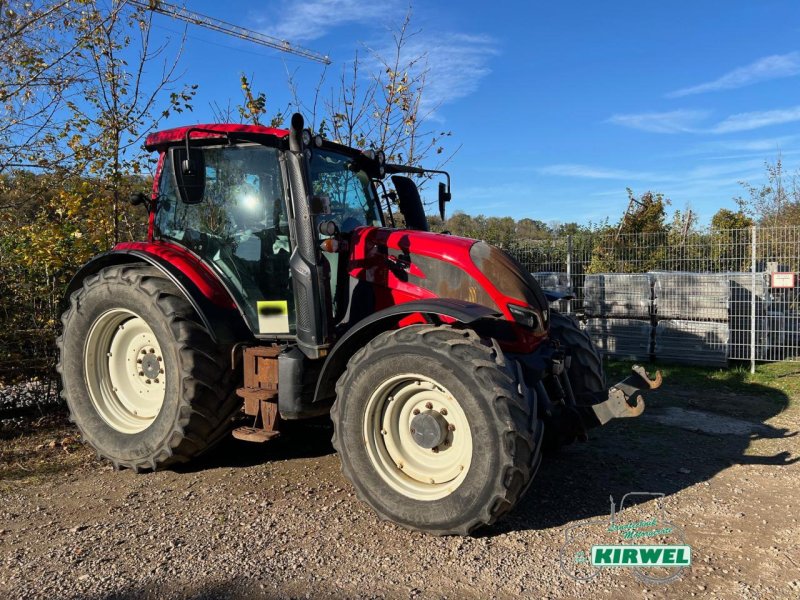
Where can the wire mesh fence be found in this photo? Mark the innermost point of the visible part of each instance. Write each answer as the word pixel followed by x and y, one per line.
pixel 703 297
pixel 700 297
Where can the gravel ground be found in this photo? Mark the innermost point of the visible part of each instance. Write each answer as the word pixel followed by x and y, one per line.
pixel 279 520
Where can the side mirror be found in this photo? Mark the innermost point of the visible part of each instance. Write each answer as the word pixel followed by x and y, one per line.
pixel 189 169
pixel 320 205
pixel 444 196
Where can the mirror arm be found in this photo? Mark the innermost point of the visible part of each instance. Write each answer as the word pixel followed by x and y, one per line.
pixel 222 134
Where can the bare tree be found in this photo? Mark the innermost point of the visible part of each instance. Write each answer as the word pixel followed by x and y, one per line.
pixel 121 102
pixel 387 111
pixel 40 67
pixel 776 202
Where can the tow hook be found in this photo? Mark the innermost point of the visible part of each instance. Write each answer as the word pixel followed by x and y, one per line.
pixel 624 398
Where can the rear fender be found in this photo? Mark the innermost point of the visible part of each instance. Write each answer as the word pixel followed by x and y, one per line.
pixel 434 310
pixel 207 296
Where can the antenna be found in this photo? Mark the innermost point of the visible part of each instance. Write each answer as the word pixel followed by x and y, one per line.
pixel 195 18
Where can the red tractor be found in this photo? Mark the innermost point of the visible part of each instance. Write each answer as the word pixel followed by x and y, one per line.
pixel 271 285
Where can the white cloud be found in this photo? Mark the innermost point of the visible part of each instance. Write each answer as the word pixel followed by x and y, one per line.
pixel 755 120
pixel 730 171
pixel 688 121
pixel 591 172
pixel 756 145
pixel 307 20
pixel 769 67
pixel 676 121
pixel 455 64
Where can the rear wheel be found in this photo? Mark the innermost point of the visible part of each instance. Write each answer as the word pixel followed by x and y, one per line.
pixel 433 430
pixel 142 377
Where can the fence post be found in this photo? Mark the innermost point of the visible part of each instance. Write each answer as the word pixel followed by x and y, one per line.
pixel 569 271
pixel 753 299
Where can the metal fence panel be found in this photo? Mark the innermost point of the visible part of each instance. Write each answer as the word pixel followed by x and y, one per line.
pixel 747 281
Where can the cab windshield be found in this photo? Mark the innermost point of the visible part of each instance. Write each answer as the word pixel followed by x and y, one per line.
pixel 352 196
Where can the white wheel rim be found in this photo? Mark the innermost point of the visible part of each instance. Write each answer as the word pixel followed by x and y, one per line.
pixel 124 370
pixel 416 472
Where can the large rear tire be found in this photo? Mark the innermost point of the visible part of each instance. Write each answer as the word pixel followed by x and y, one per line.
pixel 144 382
pixel 434 430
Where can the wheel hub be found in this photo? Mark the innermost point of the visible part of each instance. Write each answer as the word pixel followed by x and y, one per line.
pixel 429 429
pixel 151 364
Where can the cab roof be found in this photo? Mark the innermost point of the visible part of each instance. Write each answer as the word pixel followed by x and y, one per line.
pixel 161 139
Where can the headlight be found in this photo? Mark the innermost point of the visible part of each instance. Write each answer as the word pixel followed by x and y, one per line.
pixel 525 316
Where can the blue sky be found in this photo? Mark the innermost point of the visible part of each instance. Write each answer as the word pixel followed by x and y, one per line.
pixel 557 106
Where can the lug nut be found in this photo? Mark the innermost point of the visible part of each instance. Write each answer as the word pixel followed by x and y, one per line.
pixel 429 405
pixel 161 371
pixel 147 381
pixel 139 361
pixel 141 373
pixel 451 427
pixel 435 449
pixel 443 411
pixel 156 380
pixel 144 351
pixel 416 411
pixel 160 359
pixel 152 350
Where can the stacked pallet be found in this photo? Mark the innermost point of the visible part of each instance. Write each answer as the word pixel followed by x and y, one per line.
pixel 692 342
pixel 705 318
pixel 556 282
pixel 618 308
pixel 621 338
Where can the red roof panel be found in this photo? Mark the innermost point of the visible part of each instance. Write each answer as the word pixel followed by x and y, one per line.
pixel 178 134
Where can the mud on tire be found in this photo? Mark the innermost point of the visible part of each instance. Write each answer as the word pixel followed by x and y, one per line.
pixel 458 367
pixel 198 399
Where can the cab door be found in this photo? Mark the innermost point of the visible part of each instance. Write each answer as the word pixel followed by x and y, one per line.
pixel 240 229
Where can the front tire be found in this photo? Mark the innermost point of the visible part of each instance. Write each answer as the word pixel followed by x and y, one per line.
pixel 586 371
pixel 433 429
pixel 144 382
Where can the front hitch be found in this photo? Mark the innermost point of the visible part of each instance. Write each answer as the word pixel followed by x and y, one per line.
pixel 624 399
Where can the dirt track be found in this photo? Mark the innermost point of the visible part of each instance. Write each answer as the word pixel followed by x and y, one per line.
pixel 279 520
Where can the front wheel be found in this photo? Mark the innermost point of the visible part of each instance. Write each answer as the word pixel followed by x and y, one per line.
pixel 433 429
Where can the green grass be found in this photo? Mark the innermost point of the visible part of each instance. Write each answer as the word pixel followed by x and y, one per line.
pixel 768 378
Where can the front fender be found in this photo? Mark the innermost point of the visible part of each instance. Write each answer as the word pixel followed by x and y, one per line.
pixel 206 295
pixel 358 335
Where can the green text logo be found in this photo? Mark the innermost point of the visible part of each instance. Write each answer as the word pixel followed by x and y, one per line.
pixel 641 556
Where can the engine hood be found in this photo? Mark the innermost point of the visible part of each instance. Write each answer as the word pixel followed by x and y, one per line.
pixel 404 265
pixel 508 276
